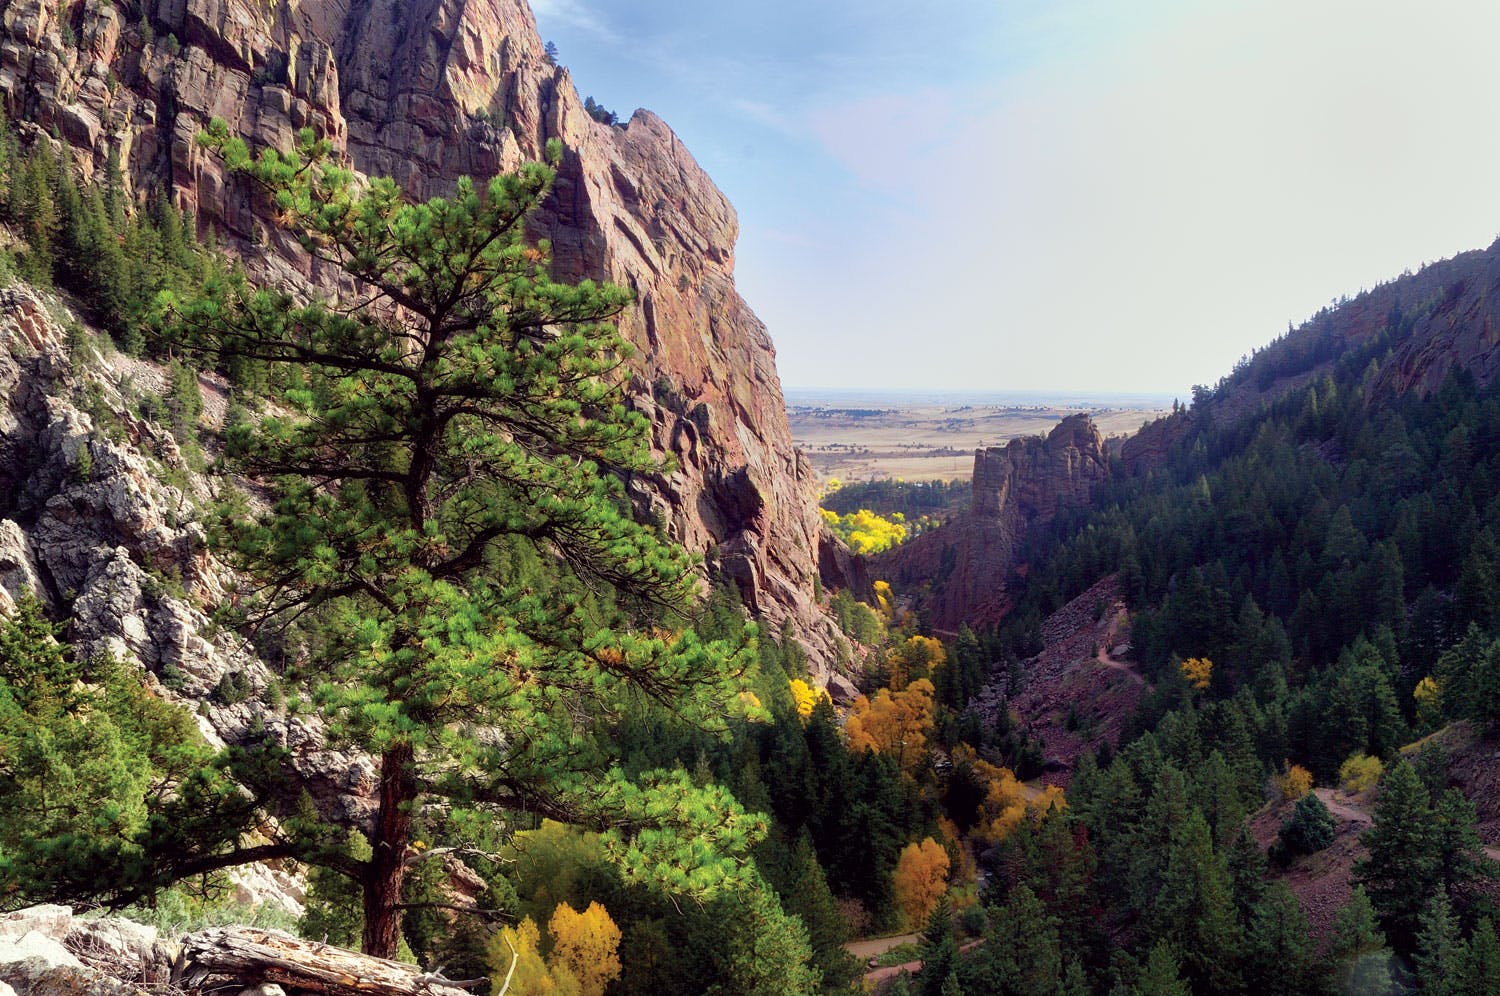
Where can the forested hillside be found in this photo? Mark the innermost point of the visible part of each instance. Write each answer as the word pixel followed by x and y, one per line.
pixel 421 564
pixel 1312 586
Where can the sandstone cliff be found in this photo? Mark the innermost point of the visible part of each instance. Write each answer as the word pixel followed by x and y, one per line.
pixel 427 91
pixel 967 563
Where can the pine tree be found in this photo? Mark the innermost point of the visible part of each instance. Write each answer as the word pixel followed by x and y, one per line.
pixel 1247 871
pixel 1280 956
pixel 1194 910
pixel 1481 971
pixel 1358 954
pixel 939 950
pixel 1460 853
pixel 1308 829
pixel 1441 953
pixel 1162 976
pixel 1021 954
pixel 1400 873
pixel 447 495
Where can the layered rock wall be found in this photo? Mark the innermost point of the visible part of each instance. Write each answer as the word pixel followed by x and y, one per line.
pixel 964 566
pixel 427 91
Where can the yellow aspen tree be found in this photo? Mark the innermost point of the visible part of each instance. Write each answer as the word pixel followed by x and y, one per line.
pixel 918 657
pixel 894 723
pixel 919 881
pixel 1360 772
pixel 1198 671
pixel 588 944
pixel 517 965
pixel 805 696
pixel 1294 782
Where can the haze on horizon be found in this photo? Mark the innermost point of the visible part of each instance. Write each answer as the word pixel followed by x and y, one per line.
pixel 1073 195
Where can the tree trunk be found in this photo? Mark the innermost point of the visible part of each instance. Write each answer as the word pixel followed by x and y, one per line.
pixel 387 868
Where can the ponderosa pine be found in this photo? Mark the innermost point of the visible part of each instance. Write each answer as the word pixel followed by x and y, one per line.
pixel 446 475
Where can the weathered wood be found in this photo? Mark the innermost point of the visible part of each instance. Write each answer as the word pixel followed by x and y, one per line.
pixel 250 956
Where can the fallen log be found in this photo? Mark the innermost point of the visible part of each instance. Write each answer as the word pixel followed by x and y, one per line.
pixel 251 956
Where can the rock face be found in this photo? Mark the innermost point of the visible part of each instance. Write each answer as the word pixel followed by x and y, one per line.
pixel 93 526
pixel 1031 478
pixel 1019 487
pixel 427 91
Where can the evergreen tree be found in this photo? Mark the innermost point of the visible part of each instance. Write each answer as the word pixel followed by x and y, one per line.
pixel 938 950
pixel 1021 954
pixel 1247 871
pixel 1481 972
pixel 1441 953
pixel 1194 910
pixel 1460 853
pixel 1308 829
pixel 1357 954
pixel 424 472
pixel 1162 975
pixel 1280 957
pixel 1400 872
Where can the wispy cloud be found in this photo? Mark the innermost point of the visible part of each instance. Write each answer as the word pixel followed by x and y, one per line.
pixel 575 14
pixel 764 113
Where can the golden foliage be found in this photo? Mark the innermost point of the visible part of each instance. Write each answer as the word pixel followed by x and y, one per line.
pixel 885 601
pixel 1429 696
pixel 1198 671
pixel 894 723
pixel 515 952
pixel 1007 800
pixel 806 696
pixel 588 944
pixel 1294 782
pixel 919 881
pixel 865 531
pixel 918 657
pixel 1360 772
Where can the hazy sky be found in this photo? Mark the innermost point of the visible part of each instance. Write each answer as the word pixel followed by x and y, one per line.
pixel 1061 194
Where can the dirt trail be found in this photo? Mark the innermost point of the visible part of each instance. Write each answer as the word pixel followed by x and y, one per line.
pixel 865 950
pixel 1107 661
pixel 1118 620
pixel 1345 808
pixel 1342 806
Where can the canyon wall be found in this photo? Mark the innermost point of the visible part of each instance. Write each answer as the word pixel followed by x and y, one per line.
pixel 427 91
pixel 963 568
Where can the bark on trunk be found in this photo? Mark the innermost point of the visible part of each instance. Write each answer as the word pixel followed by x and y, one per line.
pixel 235 958
pixel 387 868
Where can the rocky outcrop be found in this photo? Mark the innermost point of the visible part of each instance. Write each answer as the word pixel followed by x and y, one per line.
pixel 426 92
pixel 100 523
pixel 1148 448
pixel 1032 477
pixel 964 567
pixel 47 951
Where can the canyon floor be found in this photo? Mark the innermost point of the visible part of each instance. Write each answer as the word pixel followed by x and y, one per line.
pixel 859 436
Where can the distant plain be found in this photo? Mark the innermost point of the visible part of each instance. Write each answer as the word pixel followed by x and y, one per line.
pixel 917 436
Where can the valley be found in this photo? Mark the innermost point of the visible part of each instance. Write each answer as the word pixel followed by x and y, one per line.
pixel 407 546
pixel 915 436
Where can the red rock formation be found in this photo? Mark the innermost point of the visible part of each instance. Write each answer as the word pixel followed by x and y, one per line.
pixel 966 564
pixel 426 91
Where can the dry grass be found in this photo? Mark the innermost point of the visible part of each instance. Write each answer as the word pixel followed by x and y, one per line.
pixel 925 441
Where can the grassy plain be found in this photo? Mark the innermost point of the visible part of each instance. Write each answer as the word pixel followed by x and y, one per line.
pixel 867 436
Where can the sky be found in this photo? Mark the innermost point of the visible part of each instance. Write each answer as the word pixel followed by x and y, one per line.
pixel 1071 195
